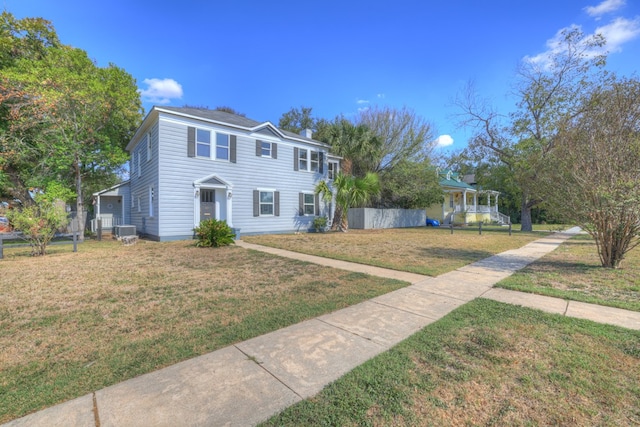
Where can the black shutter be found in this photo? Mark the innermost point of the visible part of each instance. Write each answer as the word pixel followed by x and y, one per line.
pixel 300 204
pixel 317 205
pixel 274 150
pixel 276 203
pixel 256 203
pixel 232 149
pixel 321 162
pixel 191 141
pixel 258 148
pixel 295 159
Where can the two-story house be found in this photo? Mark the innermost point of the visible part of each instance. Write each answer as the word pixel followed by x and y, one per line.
pixel 190 164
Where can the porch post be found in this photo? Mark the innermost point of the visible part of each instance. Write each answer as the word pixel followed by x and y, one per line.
pixel 497 202
pixel 489 201
pixel 475 201
pixel 229 196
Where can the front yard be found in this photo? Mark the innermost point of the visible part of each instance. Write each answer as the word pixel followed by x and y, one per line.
pixel 73 323
pixel 422 250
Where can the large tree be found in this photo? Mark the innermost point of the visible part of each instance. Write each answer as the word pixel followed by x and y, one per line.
pixel 593 178
pixel 402 135
pixel 91 113
pixel 549 90
pixel 23 117
pixel 410 185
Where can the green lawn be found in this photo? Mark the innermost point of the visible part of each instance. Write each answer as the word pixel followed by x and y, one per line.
pixel 573 272
pixel 489 363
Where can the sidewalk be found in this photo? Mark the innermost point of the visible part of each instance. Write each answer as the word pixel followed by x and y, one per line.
pixel 246 383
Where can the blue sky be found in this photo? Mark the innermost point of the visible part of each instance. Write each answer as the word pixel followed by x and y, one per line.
pixel 264 57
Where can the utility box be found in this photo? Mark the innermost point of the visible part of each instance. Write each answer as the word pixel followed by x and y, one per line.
pixel 124 230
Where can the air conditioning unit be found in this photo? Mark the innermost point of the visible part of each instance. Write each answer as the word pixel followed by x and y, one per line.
pixel 125 230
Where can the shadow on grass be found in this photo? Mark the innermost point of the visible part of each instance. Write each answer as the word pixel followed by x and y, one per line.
pixel 463 255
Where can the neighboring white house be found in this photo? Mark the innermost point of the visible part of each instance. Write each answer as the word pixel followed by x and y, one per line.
pixel 190 164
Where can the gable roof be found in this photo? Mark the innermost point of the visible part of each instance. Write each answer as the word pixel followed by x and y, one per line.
pixel 448 178
pixel 230 120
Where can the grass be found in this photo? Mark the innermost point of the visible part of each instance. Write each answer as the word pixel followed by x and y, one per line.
pixel 422 250
pixel 573 272
pixel 489 363
pixel 73 323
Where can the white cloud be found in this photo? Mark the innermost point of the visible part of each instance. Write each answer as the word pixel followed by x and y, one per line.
pixel 444 141
pixel 380 96
pixel 361 101
pixel 618 32
pixel 161 91
pixel 607 6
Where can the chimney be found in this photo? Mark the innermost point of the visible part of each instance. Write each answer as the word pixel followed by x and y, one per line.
pixel 307 133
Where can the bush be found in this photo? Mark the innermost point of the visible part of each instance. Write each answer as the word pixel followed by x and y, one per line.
pixel 39 222
pixel 214 233
pixel 320 223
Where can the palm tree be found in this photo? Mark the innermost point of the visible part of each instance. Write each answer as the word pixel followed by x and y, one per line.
pixel 350 191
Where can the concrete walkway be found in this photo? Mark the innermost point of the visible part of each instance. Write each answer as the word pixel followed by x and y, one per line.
pixel 246 383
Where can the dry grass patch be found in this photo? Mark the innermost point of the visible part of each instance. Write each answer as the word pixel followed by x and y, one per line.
pixel 573 272
pixel 72 323
pixel 422 250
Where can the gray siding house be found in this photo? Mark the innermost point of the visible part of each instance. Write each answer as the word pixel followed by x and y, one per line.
pixel 190 164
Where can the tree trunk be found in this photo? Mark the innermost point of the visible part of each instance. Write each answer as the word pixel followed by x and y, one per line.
pixel 525 215
pixel 79 202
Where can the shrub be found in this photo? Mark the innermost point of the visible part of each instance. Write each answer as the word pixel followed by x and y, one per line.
pixel 214 233
pixel 39 222
pixel 320 223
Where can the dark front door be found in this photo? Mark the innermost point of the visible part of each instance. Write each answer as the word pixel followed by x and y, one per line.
pixel 207 204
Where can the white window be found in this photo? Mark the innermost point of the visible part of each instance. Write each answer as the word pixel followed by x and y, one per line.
pixel 315 161
pixel 309 204
pixel 265 148
pixel 148 146
pixel 266 203
pixel 309 160
pixel 138 159
pixel 139 205
pixel 222 146
pixel 203 143
pixel 303 160
pixel 151 197
pixel 133 201
pixel 332 170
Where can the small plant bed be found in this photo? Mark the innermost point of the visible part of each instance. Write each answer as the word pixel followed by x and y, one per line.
pixel 489 363
pixel 72 323
pixel 423 250
pixel 573 271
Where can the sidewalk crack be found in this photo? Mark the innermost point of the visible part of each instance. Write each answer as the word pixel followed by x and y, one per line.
pixel 96 416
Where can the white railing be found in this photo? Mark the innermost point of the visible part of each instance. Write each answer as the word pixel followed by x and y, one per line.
pixel 107 223
pixel 477 209
pixel 500 218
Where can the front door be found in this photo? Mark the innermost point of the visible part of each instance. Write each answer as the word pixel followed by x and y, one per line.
pixel 207 204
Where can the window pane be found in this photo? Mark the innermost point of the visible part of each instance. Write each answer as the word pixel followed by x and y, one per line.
pixel 222 140
pixel 203 151
pixel 314 161
pixel 266 149
pixel 266 209
pixel 222 153
pixel 309 198
pixel 203 136
pixel 266 197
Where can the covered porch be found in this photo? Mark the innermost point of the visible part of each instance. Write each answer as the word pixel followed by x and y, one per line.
pixel 111 208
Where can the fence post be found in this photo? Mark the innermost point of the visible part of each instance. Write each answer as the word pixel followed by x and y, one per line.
pixel 1 249
pixel 480 227
pixel 99 221
pixel 451 227
pixel 509 228
pixel 74 231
